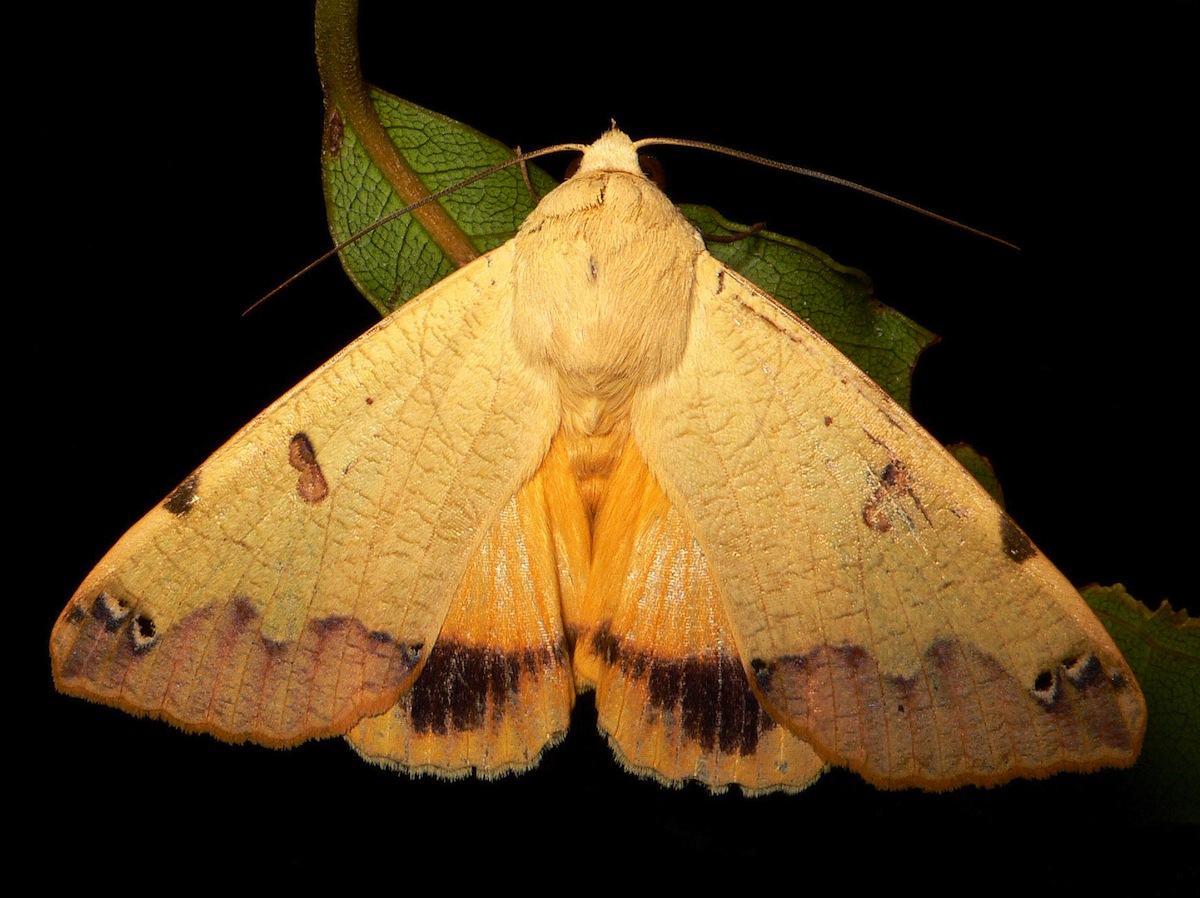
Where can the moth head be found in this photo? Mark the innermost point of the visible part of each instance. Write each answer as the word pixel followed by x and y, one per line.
pixel 614 151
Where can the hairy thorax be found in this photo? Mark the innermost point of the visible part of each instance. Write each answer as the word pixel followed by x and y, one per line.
pixel 605 288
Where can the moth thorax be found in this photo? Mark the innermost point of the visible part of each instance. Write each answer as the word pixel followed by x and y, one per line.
pixel 605 281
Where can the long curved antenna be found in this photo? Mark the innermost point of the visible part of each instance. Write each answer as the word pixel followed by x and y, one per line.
pixel 821 176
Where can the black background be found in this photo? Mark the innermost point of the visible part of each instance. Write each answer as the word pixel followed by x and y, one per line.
pixel 168 175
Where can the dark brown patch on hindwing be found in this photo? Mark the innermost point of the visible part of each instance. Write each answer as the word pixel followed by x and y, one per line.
pixel 461 683
pixel 1016 544
pixel 709 697
pixel 311 486
pixel 183 497
pixel 960 718
pixel 214 670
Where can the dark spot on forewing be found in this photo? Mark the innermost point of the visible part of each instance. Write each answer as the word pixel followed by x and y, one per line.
pixel 142 633
pixel 1046 687
pixel 1015 543
pixel 311 485
pixel 243 612
pixel 886 506
pixel 461 683
pixel 110 610
pixel 1083 671
pixel 180 501
pixel 709 696
pixel 875 518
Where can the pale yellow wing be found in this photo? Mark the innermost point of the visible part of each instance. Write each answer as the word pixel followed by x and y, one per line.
pixel 887 610
pixel 298 580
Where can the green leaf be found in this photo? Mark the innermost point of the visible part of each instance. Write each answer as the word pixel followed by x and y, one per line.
pixel 1163 649
pixel 980 468
pixel 835 299
pixel 398 260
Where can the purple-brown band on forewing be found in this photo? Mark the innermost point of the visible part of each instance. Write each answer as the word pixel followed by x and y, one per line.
pixel 215 671
pixel 962 718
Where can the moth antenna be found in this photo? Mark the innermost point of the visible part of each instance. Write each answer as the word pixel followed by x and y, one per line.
pixel 519 159
pixel 821 176
pixel 525 175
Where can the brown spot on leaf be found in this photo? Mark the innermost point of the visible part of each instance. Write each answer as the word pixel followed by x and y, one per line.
pixel 1016 544
pixel 311 486
pixel 959 717
pixel 828 420
pixel 182 499
pixel 334 132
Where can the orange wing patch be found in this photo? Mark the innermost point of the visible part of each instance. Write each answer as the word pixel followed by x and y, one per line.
pixel 671 691
pixel 497 689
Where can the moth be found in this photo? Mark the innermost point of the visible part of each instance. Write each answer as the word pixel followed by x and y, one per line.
pixel 596 458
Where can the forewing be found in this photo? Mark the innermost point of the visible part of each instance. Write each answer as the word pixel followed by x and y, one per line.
pixel 888 611
pixel 298 580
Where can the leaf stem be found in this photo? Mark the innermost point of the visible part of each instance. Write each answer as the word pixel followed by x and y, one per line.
pixel 347 104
